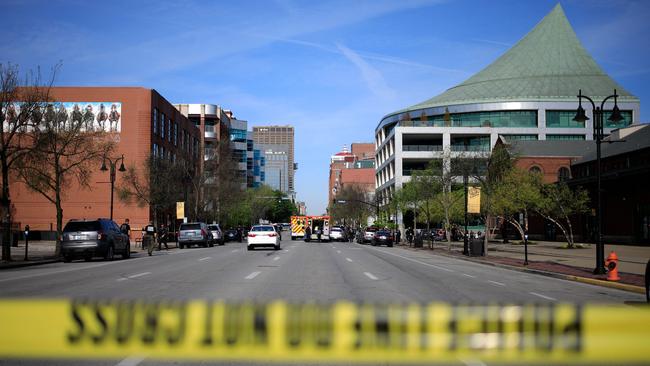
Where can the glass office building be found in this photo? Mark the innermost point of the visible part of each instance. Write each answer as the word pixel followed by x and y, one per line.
pixel 529 93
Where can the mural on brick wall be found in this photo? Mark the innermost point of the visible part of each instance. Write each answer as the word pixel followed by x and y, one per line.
pixel 92 116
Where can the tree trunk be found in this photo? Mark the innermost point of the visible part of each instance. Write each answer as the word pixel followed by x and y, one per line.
pixel 59 213
pixel 5 211
pixel 570 237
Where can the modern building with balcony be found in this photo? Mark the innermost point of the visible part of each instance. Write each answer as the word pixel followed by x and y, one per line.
pixel 529 93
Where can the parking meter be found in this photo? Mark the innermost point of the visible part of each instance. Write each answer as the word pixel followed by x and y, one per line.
pixel 26 239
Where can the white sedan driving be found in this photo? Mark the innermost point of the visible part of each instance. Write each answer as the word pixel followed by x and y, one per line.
pixel 263 236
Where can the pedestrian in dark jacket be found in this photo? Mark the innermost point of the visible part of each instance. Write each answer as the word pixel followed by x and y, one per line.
pixel 398 236
pixel 162 237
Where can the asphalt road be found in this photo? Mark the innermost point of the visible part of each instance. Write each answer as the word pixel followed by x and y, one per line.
pixel 322 272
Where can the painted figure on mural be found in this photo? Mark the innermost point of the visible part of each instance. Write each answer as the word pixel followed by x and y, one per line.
pixel 88 118
pixel 62 116
pixel 102 116
pixel 75 116
pixel 37 117
pixel 11 117
pixel 50 116
pixel 114 118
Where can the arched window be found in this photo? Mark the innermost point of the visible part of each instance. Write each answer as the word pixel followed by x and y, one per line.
pixel 535 169
pixel 563 174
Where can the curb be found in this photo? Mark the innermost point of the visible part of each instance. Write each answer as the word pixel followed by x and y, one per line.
pixel 10 265
pixel 591 281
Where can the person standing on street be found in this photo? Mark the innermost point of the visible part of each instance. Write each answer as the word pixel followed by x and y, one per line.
pixel 162 237
pixel 125 228
pixel 398 236
pixel 307 234
pixel 149 237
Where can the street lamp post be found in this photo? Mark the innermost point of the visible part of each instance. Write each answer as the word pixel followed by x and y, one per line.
pixel 465 238
pixel 112 163
pixel 598 135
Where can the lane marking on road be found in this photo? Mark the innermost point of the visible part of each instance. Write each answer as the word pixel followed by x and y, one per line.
pixel 472 362
pixel 204 259
pixel 468 275
pixel 543 296
pixel 414 260
pixel 133 276
pixel 276 258
pixel 496 283
pixel 234 250
pixel 252 275
pixel 370 275
pixel 131 361
pixel 338 251
pixel 63 271
pixel 348 259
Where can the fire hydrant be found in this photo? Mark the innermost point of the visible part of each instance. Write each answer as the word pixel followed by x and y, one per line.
pixel 612 267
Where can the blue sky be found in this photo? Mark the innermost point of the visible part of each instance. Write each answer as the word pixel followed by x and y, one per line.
pixel 330 68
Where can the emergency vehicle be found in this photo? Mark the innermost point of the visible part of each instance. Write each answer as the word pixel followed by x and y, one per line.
pixel 300 223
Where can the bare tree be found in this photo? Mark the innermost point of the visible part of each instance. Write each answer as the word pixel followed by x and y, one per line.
pixel 18 106
pixel 62 151
pixel 155 185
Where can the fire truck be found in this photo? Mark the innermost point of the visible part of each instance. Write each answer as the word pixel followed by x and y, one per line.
pixel 299 224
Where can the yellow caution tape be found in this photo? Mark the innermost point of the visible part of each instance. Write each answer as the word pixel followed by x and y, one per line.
pixel 431 333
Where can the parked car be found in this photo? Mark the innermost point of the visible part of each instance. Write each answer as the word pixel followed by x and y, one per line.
pixel 232 235
pixel 337 233
pixel 194 233
pixel 217 234
pixel 382 237
pixel 93 238
pixel 263 236
pixel 368 235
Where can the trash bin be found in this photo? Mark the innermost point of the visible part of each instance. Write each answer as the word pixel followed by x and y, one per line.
pixel 418 241
pixel 476 247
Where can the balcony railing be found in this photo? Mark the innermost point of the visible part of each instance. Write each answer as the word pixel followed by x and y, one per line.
pixel 470 147
pixel 422 147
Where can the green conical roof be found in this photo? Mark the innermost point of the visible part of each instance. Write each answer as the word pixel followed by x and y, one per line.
pixel 548 64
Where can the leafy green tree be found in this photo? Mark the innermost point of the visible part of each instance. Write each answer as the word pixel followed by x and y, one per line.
pixel 558 203
pixel 518 192
pixel 353 210
pixel 489 172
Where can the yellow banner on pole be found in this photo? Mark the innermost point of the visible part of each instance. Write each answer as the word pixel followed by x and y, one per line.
pixel 474 200
pixel 180 210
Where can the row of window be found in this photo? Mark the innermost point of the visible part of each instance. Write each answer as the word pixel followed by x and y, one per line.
pixel 168 130
pixel 563 174
pixel 161 153
pixel 521 119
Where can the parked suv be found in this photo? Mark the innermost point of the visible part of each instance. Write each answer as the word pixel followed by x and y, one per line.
pixel 194 233
pixel 94 238
pixel 217 234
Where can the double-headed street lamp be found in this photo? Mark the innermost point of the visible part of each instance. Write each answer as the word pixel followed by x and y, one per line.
pixel 112 163
pixel 598 112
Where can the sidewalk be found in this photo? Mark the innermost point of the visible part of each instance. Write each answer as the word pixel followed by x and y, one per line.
pixel 42 252
pixel 551 259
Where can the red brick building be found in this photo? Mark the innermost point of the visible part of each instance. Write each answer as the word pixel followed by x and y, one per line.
pixel 145 124
pixel 353 167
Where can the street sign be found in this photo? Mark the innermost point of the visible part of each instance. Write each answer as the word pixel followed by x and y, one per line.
pixel 474 200
pixel 180 210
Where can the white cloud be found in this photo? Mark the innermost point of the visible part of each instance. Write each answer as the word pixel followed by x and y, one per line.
pixel 373 78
